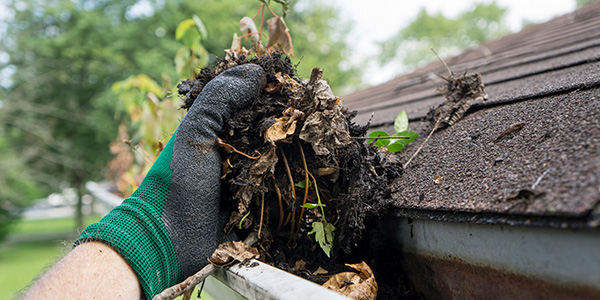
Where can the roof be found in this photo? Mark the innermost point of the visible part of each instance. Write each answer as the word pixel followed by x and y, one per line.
pixel 546 77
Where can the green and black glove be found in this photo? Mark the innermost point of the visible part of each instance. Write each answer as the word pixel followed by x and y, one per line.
pixel 169 226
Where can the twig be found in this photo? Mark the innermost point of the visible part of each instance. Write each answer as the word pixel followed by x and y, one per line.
pixel 186 285
pixel 262 209
pixel 539 179
pixel 191 282
pixel 379 137
pixel 423 144
pixel 278 192
pixel 443 62
pixel 289 172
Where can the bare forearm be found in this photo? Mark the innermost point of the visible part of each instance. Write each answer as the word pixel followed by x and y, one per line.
pixel 91 270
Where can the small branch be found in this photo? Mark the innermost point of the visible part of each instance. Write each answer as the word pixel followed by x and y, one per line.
pixel 262 210
pixel 186 285
pixel 422 144
pixel 278 192
pixel 191 282
pixel 380 137
pixel 289 172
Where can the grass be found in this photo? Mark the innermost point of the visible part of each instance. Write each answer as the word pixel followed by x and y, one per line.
pixel 21 262
pixel 50 225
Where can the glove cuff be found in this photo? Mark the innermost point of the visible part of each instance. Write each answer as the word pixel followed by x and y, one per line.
pixel 135 230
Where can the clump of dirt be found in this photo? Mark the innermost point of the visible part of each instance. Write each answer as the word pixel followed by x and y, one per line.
pixel 298 130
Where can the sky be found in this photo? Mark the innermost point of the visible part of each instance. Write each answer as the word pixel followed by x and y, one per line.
pixel 378 20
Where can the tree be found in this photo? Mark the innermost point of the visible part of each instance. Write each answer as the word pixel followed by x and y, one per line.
pixel 449 36
pixel 64 56
pixel 580 3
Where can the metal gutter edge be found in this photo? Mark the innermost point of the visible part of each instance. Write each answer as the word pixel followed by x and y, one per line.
pixel 257 280
pixel 483 261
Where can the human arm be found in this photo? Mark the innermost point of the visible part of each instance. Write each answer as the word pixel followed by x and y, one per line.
pixel 89 270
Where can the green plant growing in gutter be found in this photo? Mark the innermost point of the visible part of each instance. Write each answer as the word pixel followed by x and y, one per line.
pixel 382 139
pixel 323 230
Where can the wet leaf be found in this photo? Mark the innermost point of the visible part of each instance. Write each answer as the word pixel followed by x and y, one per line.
pixel 401 122
pixel 360 285
pixel 230 252
pixel 279 36
pixel 323 235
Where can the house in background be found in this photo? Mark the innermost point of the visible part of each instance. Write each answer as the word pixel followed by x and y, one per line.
pixel 480 215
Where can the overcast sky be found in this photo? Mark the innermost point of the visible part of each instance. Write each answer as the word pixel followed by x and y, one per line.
pixel 377 20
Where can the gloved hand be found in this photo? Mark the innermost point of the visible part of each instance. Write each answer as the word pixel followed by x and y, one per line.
pixel 169 226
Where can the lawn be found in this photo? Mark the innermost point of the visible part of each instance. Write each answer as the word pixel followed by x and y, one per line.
pixel 41 243
pixel 20 262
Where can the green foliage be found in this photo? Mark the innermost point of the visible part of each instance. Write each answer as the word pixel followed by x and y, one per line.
pixel 323 235
pixel 322 229
pixel 192 55
pixel 60 107
pixel 581 3
pixel 313 205
pixel 401 128
pixel 18 187
pixel 412 44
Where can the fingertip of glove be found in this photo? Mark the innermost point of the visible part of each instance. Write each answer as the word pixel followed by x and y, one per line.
pixel 253 77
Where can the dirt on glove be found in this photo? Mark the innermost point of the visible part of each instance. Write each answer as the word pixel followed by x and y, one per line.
pixel 297 132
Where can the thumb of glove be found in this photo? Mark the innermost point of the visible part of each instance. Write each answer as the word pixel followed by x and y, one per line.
pixel 191 213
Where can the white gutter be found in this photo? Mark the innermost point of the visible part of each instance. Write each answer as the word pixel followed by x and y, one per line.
pixel 257 280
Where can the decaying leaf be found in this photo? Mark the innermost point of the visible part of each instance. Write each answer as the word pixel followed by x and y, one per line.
pixel 356 285
pixel 284 127
pixel 327 128
pixel 288 83
pixel 265 164
pixel 460 92
pixel 230 252
pixel 300 265
pixel 279 36
pixel 320 271
pixel 248 27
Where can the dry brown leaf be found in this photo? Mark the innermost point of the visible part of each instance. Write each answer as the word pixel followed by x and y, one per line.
pixel 279 36
pixel 360 286
pixel 300 265
pixel 279 131
pixel 284 127
pixel 230 252
pixel 320 271
pixel 248 27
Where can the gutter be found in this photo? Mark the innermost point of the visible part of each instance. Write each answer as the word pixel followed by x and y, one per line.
pixel 445 260
pixel 257 280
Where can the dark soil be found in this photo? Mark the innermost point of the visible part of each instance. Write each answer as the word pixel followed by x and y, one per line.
pixel 353 178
